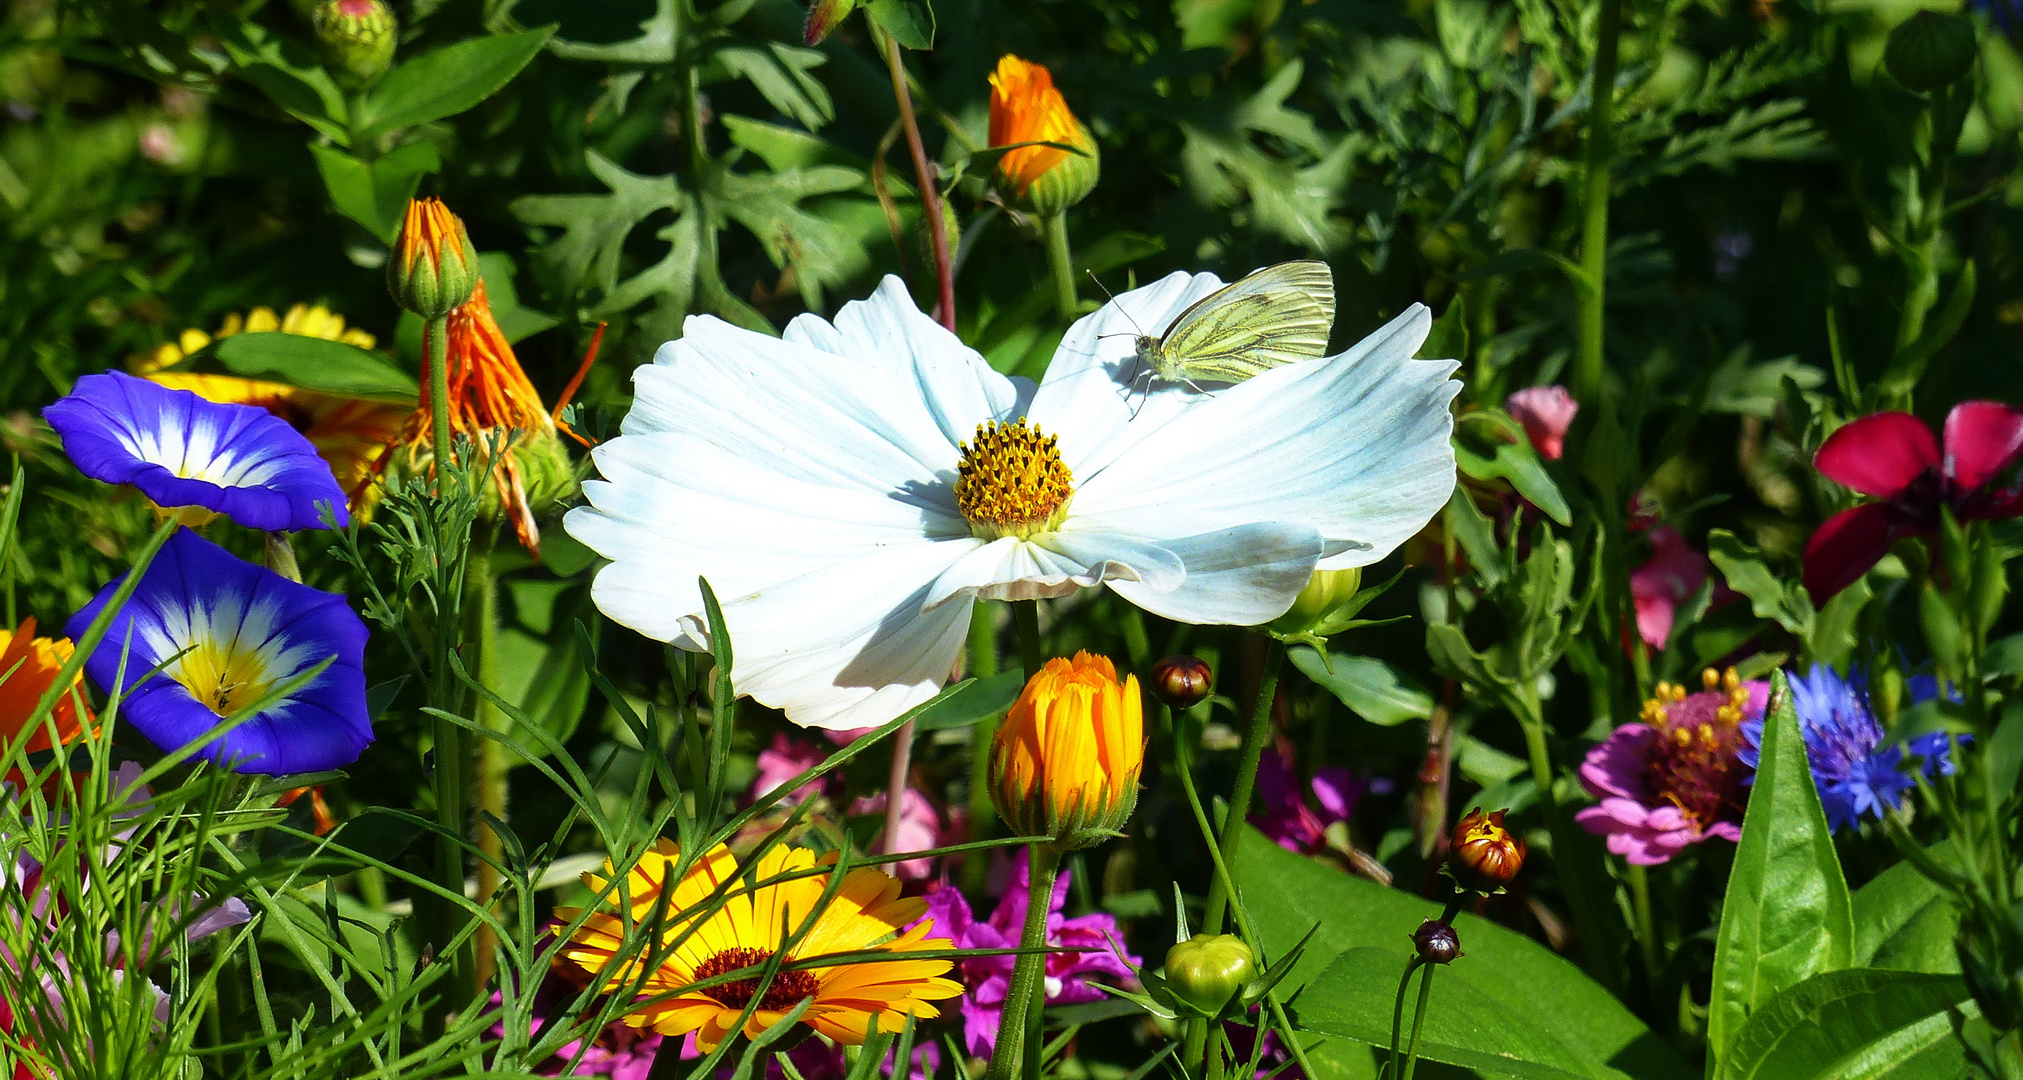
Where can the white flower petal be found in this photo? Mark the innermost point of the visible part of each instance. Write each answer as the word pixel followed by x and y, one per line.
pixel 1354 446
pixel 1096 396
pixel 847 646
pixel 1055 564
pixel 1241 576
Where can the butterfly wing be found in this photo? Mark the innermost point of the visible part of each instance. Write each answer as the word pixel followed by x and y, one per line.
pixel 1279 315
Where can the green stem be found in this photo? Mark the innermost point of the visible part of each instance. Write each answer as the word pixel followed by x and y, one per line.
pixel 1061 264
pixel 1419 1020
pixel 452 812
pixel 1594 252
pixel 1647 939
pixel 490 756
pixel 439 393
pixel 982 814
pixel 1029 974
pixel 1246 777
pixel 1398 1015
pixel 1194 1044
pixel 1026 617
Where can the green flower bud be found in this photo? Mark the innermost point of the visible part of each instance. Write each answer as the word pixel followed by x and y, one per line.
pixel 433 268
pixel 1182 681
pixel 1326 591
pixel 1930 50
pixel 823 19
pixel 356 39
pixel 1208 970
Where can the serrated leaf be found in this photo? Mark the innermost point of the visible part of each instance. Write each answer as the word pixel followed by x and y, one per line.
pixel 587 254
pixel 1771 598
pixel 780 73
pixel 1787 915
pixel 447 81
pixel 822 252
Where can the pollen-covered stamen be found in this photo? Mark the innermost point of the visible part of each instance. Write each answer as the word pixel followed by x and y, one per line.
pixel 1693 764
pixel 787 989
pixel 1011 481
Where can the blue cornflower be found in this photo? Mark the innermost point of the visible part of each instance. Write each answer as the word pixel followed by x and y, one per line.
pixel 205 456
pixel 225 633
pixel 1842 736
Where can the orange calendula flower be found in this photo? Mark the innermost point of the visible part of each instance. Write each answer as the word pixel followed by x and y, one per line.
pixel 490 397
pixel 29 665
pixel 351 434
pixel 1067 758
pixel 434 268
pixel 1025 108
pixel 757 917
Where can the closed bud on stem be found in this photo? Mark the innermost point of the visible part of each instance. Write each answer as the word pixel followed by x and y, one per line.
pixel 1437 942
pixel 1931 50
pixel 356 39
pixel 1181 681
pixel 823 19
pixel 1066 760
pixel 434 268
pixel 1484 855
pixel 1207 970
pixel 1326 591
pixel 1025 108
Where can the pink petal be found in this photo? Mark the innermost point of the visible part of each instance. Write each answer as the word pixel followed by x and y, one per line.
pixel 1654 619
pixel 1546 412
pixel 1878 455
pixel 1982 439
pixel 1844 548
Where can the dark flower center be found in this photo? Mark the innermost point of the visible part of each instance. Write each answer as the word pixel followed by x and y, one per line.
pixel 1692 763
pixel 786 991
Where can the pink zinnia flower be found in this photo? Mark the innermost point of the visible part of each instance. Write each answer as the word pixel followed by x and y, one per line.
pixel 1893 457
pixel 1673 778
pixel 1546 412
pixel 783 760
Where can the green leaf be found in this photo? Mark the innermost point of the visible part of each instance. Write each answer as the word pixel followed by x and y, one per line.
pixel 972 700
pixel 910 22
pixel 1770 597
pixel 1365 684
pixel 822 251
pixel 1859 1023
pixel 1787 915
pixel 781 74
pixel 447 81
pixel 1505 1008
pixel 1907 367
pixel 375 193
pixel 537 667
pixel 1453 658
pixel 313 364
pixel 1837 626
pixel 1904 920
pixel 1503 452
pixel 291 79
pixel 586 255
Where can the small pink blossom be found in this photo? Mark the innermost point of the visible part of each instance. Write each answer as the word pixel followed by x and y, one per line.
pixel 1546 413
pixel 920 828
pixel 1670 577
pixel 786 758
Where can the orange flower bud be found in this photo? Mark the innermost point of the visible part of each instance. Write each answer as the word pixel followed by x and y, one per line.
pixel 434 268
pixel 1484 855
pixel 1025 108
pixel 1067 758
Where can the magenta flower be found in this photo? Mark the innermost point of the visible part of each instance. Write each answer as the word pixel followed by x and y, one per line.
pixel 1892 457
pixel 987 978
pixel 1287 818
pixel 1673 778
pixel 920 828
pixel 1546 412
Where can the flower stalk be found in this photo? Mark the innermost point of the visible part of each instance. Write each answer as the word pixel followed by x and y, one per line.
pixel 1029 975
pixel 930 195
pixel 982 815
pixel 1060 264
pixel 1595 204
pixel 1254 739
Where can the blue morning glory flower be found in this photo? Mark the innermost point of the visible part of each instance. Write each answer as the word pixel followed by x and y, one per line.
pixel 225 633
pixel 1841 739
pixel 183 451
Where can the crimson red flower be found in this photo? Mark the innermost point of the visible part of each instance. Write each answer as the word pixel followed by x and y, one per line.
pixel 1893 457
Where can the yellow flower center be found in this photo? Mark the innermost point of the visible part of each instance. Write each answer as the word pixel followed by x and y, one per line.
pixel 786 991
pixel 225 677
pixel 1011 482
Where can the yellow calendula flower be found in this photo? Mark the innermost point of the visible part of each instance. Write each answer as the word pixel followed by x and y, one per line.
pixel 1025 108
pixel 747 929
pixel 349 433
pixel 1067 758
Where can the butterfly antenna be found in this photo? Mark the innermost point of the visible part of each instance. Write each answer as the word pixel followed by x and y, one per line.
pixel 1120 308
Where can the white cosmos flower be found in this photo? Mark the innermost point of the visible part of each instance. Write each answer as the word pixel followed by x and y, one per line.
pixel 825 483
